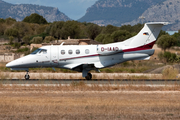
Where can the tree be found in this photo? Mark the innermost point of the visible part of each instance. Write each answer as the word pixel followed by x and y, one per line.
pixel 11 38
pixel 132 29
pixel 35 18
pixel 162 33
pixel 104 38
pixel 23 29
pixel 109 29
pixel 49 39
pixel 10 21
pixel 40 29
pixel 107 39
pixel 93 30
pixel 120 35
pixel 177 36
pixel 26 39
pixel 55 29
pixel 2 20
pixel 71 28
pixel 100 37
pixel 166 41
pixel 11 32
pixel 2 29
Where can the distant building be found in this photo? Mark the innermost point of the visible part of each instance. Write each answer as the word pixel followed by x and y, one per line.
pixel 8 57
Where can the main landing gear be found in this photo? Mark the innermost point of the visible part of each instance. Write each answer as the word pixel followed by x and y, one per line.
pixel 27 76
pixel 89 76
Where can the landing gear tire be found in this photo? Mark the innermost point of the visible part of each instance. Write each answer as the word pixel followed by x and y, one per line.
pixel 89 76
pixel 27 76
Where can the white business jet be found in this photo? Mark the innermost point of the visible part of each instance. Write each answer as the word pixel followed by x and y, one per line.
pixel 84 58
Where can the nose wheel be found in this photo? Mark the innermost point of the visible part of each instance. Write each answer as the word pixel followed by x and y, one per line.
pixel 89 76
pixel 27 76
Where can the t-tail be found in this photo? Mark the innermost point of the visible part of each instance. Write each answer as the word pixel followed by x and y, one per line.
pixel 147 37
pixel 144 40
pixel 142 43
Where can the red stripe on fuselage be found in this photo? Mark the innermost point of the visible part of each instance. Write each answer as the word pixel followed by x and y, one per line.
pixel 144 47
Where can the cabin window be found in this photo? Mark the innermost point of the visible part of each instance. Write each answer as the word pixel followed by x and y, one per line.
pixel 36 51
pixel 62 52
pixel 70 52
pixel 43 51
pixel 78 51
pixel 40 51
pixel 87 51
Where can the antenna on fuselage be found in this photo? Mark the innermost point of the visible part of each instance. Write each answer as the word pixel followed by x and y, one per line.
pixel 62 43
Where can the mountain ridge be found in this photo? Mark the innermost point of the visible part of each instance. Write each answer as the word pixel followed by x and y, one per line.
pixel 123 12
pixel 116 10
pixel 167 11
pixel 20 11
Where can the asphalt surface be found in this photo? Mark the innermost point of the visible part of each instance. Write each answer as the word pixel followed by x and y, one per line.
pixel 95 81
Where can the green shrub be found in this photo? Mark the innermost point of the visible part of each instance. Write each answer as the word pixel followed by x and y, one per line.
pixel 49 39
pixel 16 45
pixel 11 32
pixel 37 40
pixel 132 70
pixel 23 50
pixel 26 40
pixel 107 70
pixel 170 73
pixel 166 41
pixel 168 57
pixel 11 38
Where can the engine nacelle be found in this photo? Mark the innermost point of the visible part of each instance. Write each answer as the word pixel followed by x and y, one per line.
pixel 108 49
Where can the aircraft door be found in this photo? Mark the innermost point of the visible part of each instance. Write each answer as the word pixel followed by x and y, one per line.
pixel 54 56
pixel 42 58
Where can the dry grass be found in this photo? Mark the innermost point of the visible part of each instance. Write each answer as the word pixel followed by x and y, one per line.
pixel 170 73
pixel 44 103
pixel 43 76
pixel 83 87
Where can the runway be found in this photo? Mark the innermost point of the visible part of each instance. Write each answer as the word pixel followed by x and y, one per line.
pixel 95 81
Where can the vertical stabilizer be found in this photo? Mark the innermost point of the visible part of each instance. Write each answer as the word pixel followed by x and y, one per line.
pixel 148 35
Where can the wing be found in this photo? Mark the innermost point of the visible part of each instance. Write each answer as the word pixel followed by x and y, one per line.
pixel 84 68
pixel 80 67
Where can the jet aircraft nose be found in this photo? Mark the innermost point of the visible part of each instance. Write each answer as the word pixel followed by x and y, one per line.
pixel 24 62
pixel 11 64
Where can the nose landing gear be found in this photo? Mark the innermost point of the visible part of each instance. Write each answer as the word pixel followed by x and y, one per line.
pixel 27 76
pixel 89 76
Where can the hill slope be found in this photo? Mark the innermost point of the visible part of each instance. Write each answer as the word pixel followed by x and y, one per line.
pixel 119 12
pixel 167 11
pixel 20 11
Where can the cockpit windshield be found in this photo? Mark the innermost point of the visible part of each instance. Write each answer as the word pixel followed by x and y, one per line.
pixel 40 51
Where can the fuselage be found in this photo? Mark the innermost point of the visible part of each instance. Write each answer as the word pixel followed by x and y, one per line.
pixel 69 57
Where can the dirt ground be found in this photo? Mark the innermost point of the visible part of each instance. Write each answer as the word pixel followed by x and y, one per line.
pixel 43 104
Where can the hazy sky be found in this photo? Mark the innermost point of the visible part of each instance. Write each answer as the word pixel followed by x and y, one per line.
pixel 74 9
